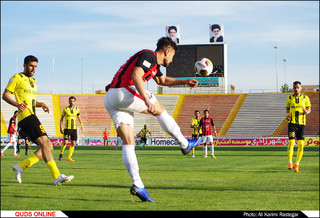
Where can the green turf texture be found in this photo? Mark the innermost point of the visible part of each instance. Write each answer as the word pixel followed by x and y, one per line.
pixel 240 178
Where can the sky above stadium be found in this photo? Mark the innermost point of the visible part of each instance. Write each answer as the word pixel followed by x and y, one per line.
pixel 104 34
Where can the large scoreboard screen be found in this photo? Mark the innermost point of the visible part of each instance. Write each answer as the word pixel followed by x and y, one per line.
pixel 187 55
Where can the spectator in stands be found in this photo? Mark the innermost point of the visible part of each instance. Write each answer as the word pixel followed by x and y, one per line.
pixel 24 86
pixel 196 131
pixel 206 124
pixel 105 137
pixel 12 132
pixel 126 94
pixel 70 113
pixel 297 107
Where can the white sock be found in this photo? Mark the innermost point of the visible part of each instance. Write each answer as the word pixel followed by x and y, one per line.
pixel 212 150
pixel 14 148
pixel 6 147
pixel 170 126
pixel 131 162
pixel 205 150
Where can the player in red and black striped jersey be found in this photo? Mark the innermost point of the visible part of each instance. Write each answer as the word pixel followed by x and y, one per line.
pixel 126 95
pixel 207 124
pixel 12 132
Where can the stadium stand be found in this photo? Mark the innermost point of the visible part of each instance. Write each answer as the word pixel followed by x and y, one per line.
pixel 47 119
pixel 235 115
pixel 169 102
pixel 93 114
pixel 259 115
pixel 219 106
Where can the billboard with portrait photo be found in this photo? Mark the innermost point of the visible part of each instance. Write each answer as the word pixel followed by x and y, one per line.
pixel 173 31
pixel 216 33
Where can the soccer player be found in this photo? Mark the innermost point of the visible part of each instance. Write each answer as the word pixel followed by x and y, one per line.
pixel 24 86
pixel 206 124
pixel 143 133
pixel 105 137
pixel 70 112
pixel 126 95
pixel 297 107
pixel 26 138
pixel 196 131
pixel 12 132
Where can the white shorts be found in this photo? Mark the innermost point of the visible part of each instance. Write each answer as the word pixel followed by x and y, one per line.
pixel 121 103
pixel 207 139
pixel 11 137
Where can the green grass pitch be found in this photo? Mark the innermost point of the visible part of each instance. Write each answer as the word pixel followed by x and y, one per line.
pixel 240 178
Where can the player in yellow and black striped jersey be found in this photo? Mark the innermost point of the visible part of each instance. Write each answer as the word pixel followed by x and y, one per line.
pixel 143 134
pixel 24 87
pixel 70 113
pixel 298 106
pixel 196 131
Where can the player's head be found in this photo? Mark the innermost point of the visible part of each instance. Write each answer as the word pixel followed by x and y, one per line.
pixel 297 88
pixel 167 48
pixel 206 113
pixel 197 113
pixel 15 114
pixel 145 126
pixel 30 65
pixel 72 100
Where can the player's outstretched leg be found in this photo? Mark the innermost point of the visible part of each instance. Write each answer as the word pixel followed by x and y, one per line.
pixel 170 126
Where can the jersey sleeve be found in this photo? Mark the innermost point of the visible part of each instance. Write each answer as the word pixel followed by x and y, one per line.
pixel 78 111
pixel 13 82
pixel 63 112
pixel 288 102
pixel 308 103
pixel 146 60
pixel 212 123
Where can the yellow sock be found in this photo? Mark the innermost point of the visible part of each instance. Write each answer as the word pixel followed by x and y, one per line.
pixel 300 150
pixel 29 162
pixel 193 150
pixel 53 169
pixel 71 149
pixel 290 149
pixel 62 148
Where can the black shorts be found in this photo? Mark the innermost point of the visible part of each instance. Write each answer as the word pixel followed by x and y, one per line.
pixel 195 136
pixel 296 131
pixel 70 132
pixel 32 127
pixel 144 140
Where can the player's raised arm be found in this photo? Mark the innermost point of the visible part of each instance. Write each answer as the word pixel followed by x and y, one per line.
pixel 169 81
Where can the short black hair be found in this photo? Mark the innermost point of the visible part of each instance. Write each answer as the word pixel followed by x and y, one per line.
pixel 30 58
pixel 72 97
pixel 206 110
pixel 296 82
pixel 166 42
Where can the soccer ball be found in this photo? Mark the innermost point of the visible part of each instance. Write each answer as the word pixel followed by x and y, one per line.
pixel 203 67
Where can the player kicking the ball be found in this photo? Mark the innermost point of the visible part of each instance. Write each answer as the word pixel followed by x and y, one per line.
pixel 126 95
